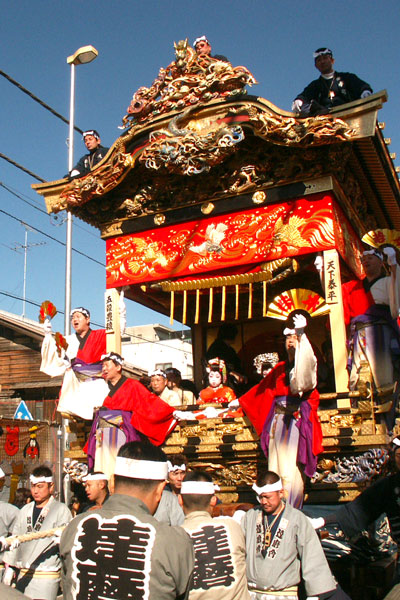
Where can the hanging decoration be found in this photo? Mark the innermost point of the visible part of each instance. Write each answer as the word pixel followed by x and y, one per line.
pixel 11 444
pixel 32 449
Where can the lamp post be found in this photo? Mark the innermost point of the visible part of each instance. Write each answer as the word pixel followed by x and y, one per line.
pixel 82 56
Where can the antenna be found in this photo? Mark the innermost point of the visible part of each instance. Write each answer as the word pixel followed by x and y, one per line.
pixel 25 247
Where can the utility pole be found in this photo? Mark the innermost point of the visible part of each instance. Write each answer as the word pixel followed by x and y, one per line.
pixel 25 247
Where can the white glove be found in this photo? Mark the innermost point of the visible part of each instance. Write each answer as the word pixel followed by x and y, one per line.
pixel 300 322
pixel 3 544
pixel 297 104
pixel 319 263
pixel 47 326
pixel 182 415
pixel 365 94
pixel 8 576
pixel 122 313
pixel 234 403
pixel 391 256
pixel 317 523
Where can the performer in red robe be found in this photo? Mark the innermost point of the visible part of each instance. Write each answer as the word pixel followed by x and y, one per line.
pixel 283 410
pixel 129 410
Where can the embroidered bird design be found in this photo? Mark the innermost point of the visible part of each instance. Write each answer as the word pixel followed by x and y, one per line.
pixel 212 242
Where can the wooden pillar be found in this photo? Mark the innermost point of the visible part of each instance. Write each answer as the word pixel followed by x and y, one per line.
pixel 113 330
pixel 333 296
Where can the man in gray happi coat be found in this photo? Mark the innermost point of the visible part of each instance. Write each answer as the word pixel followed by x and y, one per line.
pixel 121 548
pixel 282 548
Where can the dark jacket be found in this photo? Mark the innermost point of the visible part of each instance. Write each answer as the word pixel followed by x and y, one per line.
pixel 345 87
pixel 88 161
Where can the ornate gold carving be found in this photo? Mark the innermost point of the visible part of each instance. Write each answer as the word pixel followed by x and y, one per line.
pixel 345 420
pixel 187 81
pixel 227 498
pixel 290 131
pixel 245 446
pixel 185 152
pixel 231 474
pixel 112 229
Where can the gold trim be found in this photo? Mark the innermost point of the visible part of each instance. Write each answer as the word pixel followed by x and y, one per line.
pixel 223 303
pixel 197 311
pixel 210 304
pixel 184 308
pixel 236 302
pixel 250 309
pixel 171 310
pixel 214 282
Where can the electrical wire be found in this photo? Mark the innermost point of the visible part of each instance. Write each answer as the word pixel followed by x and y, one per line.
pixel 61 312
pixel 51 237
pixel 14 193
pixel 38 100
pixel 11 161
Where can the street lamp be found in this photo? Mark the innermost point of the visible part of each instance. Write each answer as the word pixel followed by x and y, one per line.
pixel 82 56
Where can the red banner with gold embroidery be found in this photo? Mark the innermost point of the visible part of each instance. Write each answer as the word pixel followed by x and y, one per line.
pixel 248 237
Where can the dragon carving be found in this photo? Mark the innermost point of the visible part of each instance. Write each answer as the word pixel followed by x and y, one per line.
pixel 189 80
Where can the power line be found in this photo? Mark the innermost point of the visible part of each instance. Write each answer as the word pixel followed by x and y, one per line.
pixel 39 304
pixel 38 100
pixel 23 199
pixel 51 237
pixel 11 161
pixel 14 193
pixel 61 312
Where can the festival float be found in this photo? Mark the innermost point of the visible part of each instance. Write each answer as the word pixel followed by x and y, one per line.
pixel 214 204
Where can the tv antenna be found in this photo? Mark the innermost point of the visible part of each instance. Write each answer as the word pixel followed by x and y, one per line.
pixel 25 247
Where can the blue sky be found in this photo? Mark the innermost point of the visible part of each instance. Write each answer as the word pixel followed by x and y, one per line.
pixel 274 39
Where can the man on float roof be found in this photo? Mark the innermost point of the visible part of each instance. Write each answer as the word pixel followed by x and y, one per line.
pixel 97 152
pixel 331 89
pixel 203 47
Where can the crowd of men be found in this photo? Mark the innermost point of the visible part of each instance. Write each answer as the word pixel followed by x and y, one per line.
pixel 121 547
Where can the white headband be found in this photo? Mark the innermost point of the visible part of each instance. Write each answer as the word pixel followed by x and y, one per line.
pixel 288 331
pixel 202 38
pixel 95 477
pixel 172 467
pixel 268 487
pixel 199 487
pixel 141 469
pixel 158 372
pixel 42 479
